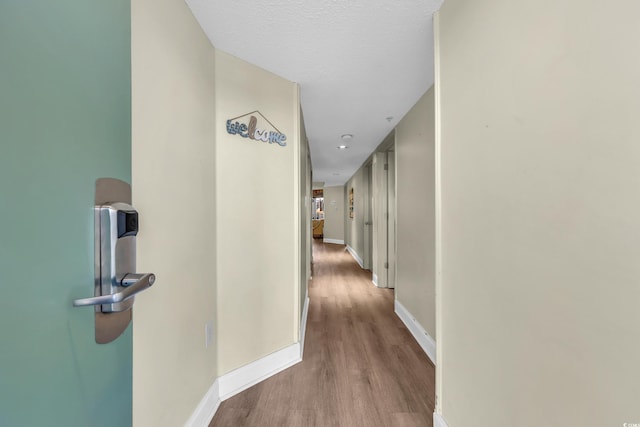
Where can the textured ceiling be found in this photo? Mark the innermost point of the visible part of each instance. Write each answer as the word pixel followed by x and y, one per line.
pixel 357 63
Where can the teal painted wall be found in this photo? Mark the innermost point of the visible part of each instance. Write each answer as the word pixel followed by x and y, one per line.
pixel 65 120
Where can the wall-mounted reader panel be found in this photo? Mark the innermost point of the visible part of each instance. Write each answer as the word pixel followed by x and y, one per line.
pixel 117 227
pixel 116 282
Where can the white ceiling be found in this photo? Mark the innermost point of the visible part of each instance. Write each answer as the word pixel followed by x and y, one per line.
pixel 357 63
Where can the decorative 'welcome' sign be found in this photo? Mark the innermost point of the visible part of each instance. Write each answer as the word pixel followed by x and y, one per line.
pixel 240 126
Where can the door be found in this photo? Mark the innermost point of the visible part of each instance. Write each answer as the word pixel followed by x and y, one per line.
pixel 64 122
pixel 391 219
pixel 380 214
pixel 368 218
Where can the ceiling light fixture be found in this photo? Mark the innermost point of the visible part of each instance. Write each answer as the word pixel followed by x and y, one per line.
pixel 342 147
pixel 347 137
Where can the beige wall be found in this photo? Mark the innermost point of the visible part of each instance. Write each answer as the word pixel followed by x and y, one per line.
pixel 540 201
pixel 257 190
pixel 415 187
pixel 173 172
pixel 244 198
pixel 334 213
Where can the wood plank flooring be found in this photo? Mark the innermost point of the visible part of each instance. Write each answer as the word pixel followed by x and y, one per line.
pixel 361 366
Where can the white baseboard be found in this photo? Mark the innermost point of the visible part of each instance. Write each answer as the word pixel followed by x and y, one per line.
pixel 249 375
pixel 355 256
pixel 334 241
pixel 207 408
pixel 303 326
pixel 427 343
pixel 438 420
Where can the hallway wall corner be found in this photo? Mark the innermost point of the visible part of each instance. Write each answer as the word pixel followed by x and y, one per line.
pixel 423 338
pixel 240 379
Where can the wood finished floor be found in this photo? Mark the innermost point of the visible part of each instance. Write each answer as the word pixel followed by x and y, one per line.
pixel 361 366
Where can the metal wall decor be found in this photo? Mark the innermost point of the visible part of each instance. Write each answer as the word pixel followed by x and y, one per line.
pixel 247 126
pixel 351 203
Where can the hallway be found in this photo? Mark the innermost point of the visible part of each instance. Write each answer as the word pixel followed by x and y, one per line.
pixel 361 366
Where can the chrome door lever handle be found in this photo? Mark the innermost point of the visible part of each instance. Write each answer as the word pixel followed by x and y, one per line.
pixel 132 283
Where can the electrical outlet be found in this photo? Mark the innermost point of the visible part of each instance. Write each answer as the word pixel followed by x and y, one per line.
pixel 208 333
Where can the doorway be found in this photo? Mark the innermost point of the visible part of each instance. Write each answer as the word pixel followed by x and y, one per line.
pixel 384 214
pixel 317 213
